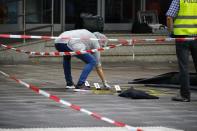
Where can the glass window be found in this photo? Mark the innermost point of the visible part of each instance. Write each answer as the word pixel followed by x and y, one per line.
pixel 160 6
pixel 74 8
pixel 39 11
pixel 8 12
pixel 120 11
pixel 33 11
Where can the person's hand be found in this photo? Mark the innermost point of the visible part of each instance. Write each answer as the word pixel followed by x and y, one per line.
pixel 106 85
pixel 170 34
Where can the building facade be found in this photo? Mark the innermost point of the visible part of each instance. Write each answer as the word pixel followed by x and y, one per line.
pixel 118 15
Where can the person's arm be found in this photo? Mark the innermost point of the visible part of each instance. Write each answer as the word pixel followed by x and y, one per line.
pixel 171 14
pixel 99 69
pixel 169 24
pixel 100 73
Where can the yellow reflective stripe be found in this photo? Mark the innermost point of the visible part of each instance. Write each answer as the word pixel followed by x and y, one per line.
pixel 185 31
pixel 185 21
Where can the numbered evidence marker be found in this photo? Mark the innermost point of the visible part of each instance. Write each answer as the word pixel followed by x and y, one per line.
pixel 97 86
pixel 87 84
pixel 117 88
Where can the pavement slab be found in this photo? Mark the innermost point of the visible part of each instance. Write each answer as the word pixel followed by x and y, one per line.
pixel 21 108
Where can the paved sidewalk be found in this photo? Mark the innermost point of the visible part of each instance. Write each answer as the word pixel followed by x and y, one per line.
pixel 22 108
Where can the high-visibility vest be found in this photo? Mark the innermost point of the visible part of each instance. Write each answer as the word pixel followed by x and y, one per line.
pixel 186 21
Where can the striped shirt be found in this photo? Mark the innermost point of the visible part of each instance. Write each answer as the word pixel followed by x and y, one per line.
pixel 174 8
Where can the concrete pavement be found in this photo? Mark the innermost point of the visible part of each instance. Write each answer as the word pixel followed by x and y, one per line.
pixel 22 108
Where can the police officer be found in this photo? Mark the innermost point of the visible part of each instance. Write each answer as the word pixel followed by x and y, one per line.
pixel 182 23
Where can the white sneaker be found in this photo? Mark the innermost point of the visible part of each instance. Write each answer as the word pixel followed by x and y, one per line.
pixel 70 87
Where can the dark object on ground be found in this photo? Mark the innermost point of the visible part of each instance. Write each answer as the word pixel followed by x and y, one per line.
pixel 141 28
pixel 171 86
pixel 136 94
pixel 170 80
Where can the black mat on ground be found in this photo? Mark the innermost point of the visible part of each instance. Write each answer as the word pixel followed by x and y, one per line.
pixel 136 94
pixel 169 80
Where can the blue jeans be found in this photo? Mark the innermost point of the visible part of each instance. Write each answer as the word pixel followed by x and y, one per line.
pixel 87 58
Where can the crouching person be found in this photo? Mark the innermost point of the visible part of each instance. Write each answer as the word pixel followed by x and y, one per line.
pixel 91 60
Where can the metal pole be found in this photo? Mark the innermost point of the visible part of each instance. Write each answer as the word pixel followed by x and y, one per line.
pixel 133 9
pixel 24 19
pixel 121 9
pixel 143 5
pixel 103 9
pixel 52 17
pixel 99 7
pixel 63 15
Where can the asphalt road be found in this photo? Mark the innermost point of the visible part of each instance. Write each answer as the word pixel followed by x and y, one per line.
pixel 22 108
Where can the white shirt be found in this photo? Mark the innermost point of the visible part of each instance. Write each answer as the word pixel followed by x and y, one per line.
pixel 80 44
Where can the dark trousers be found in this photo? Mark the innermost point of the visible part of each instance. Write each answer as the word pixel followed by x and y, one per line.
pixel 87 58
pixel 183 50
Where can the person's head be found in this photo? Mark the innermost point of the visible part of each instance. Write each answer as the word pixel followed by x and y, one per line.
pixel 102 39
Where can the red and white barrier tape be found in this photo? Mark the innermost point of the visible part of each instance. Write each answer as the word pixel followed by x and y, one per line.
pixel 15 49
pixel 48 37
pixel 168 39
pixel 61 53
pixel 65 37
pixel 73 106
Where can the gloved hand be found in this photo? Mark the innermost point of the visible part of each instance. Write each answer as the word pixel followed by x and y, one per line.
pixel 106 85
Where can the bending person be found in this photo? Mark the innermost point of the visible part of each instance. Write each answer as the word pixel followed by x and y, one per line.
pixel 91 60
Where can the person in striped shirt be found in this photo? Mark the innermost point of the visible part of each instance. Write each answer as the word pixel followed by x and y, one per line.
pixel 181 23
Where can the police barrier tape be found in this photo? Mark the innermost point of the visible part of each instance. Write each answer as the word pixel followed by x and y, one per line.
pixel 86 38
pixel 73 106
pixel 123 42
pixel 49 37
